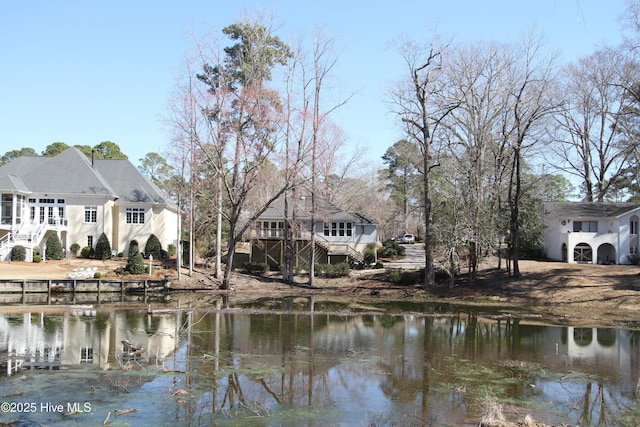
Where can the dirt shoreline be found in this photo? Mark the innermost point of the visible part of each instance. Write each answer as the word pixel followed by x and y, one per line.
pixel 608 293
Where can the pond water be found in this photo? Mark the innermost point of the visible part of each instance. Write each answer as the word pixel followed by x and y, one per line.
pixel 310 362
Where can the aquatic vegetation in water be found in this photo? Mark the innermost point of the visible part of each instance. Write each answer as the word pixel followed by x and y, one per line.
pixel 501 380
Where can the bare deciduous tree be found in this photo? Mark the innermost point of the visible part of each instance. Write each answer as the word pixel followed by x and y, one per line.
pixel 187 132
pixel 590 130
pixel 414 101
pixel 323 62
pixel 477 75
pixel 530 93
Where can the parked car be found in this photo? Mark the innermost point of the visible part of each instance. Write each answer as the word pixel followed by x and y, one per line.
pixel 408 238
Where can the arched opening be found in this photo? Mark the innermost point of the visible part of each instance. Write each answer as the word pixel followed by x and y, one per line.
pixel 606 254
pixel 633 238
pixel 583 336
pixel 582 253
pixel 606 337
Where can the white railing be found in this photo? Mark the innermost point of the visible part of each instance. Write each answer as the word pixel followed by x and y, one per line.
pixel 28 234
pixel 4 240
pixel 342 248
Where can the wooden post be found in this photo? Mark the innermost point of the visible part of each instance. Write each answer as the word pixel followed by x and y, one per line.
pixel 74 290
pixel 49 291
pixel 24 290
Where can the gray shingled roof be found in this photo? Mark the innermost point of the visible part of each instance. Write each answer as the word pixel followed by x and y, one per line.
pixel 128 183
pixel 588 209
pixel 13 183
pixel 325 211
pixel 71 172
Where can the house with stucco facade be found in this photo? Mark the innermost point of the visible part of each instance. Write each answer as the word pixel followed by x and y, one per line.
pixel 592 233
pixel 79 198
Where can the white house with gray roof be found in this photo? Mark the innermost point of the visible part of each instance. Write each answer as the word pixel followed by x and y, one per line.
pixel 80 198
pixel 340 236
pixel 593 233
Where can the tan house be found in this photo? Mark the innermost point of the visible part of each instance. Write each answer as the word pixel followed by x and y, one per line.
pixel 78 199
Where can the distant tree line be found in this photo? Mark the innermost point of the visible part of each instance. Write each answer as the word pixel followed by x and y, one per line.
pixel 103 150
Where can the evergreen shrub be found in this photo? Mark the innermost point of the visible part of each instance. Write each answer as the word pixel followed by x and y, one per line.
pixel 86 252
pixel 54 248
pixel 103 247
pixel 74 248
pixel 391 249
pixel 369 257
pixel 256 267
pixel 153 247
pixel 135 262
pixel 18 253
pixel 332 271
pixel 133 247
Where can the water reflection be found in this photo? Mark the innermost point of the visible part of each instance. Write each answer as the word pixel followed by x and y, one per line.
pixel 293 368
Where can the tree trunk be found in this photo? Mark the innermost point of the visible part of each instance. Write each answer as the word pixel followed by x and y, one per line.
pixel 514 207
pixel 231 251
pixel 179 242
pixel 287 241
pixel 473 262
pixel 429 274
pixel 452 269
pixel 218 271
pixel 312 241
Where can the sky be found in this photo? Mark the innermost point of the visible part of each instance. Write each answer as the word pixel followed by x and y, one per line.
pixel 83 72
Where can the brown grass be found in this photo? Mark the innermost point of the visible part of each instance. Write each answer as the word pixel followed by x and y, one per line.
pixel 569 290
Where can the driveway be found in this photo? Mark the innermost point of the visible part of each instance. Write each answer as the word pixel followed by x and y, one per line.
pixel 413 258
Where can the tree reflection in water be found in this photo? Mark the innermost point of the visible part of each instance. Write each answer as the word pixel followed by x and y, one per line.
pixel 289 367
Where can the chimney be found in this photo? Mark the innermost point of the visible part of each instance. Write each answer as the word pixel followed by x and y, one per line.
pixel 93 157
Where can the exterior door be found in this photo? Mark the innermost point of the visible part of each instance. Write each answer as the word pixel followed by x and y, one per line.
pixel 583 253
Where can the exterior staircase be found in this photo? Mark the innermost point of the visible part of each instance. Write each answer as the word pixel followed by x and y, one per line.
pixel 27 235
pixel 332 248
